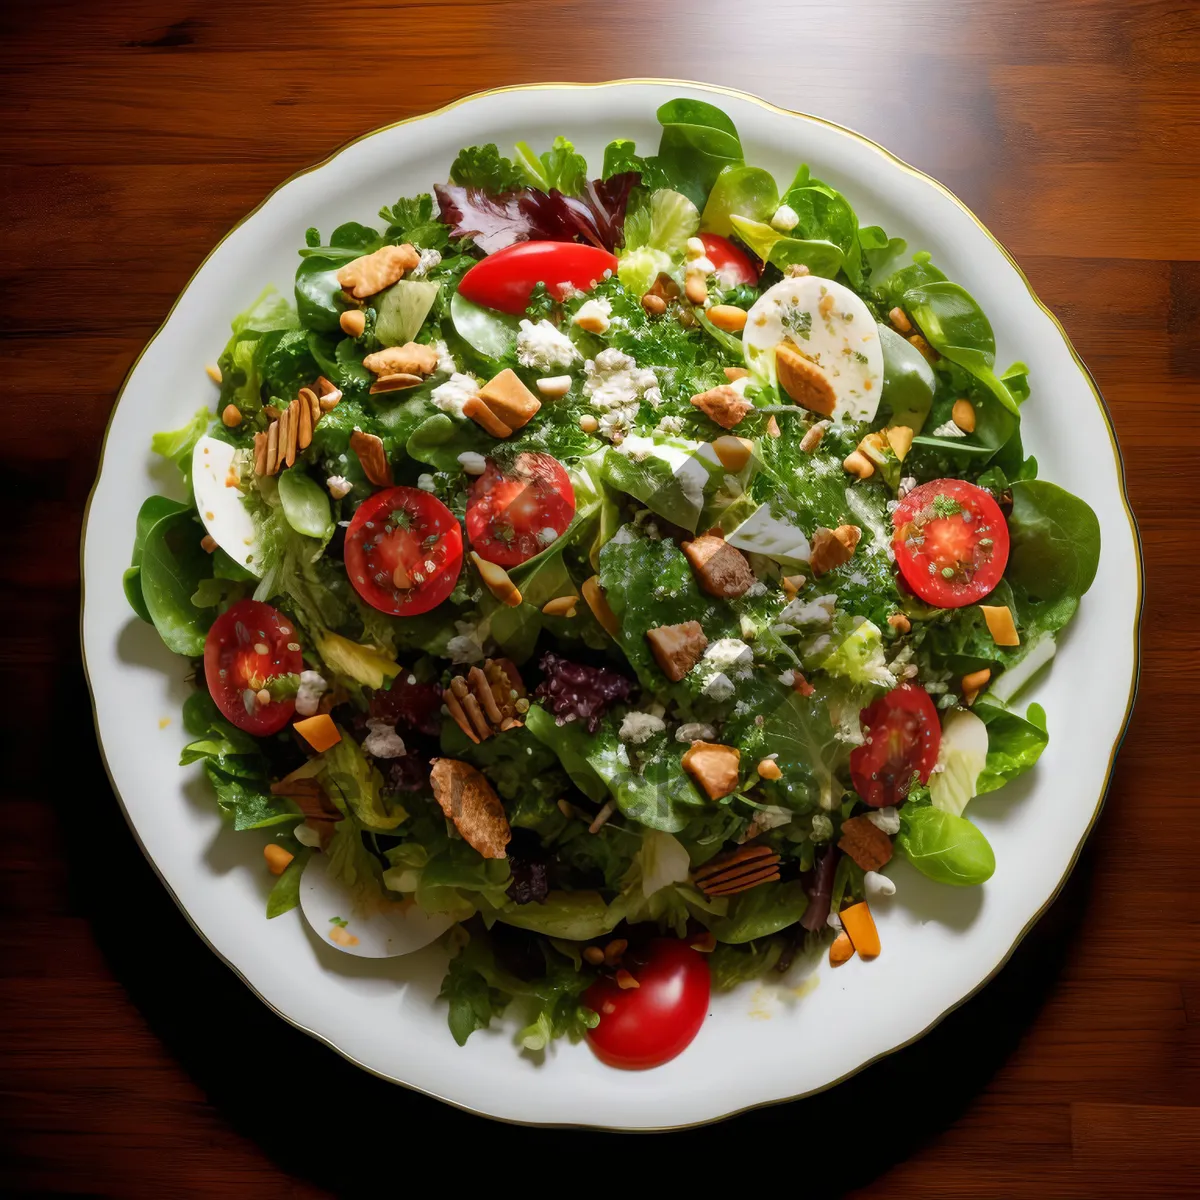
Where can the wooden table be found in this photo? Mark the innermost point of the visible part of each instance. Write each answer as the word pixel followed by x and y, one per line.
pixel 134 135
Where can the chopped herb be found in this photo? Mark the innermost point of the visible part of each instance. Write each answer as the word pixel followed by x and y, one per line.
pixel 400 519
pixel 945 506
pixel 947 572
pixel 799 322
pixel 859 356
pixel 340 922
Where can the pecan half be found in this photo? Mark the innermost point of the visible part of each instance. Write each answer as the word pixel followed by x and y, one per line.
pixel 832 547
pixel 483 701
pixel 373 457
pixel 410 359
pixel 737 871
pixel 468 800
pixel 724 404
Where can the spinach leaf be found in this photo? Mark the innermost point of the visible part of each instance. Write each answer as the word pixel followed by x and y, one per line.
pixel 698 142
pixel 957 328
pixel 172 566
pixel 574 916
pixel 249 802
pixel 908 380
pixel 316 289
pixel 826 216
pixel 877 249
pixel 471 1000
pixel 782 250
pixel 153 509
pixel 760 912
pixel 947 848
pixel 285 895
pixel 748 192
pixel 438 440
pixel 491 334
pixel 731 964
pixel 892 290
pixel 572 744
pixel 178 444
pixel 305 503
pixel 1055 541
pixel 1015 743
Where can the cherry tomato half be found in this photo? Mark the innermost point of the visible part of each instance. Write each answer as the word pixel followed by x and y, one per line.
pixel 649 1025
pixel 506 279
pixel 250 645
pixel 513 515
pixel 733 265
pixel 950 542
pixel 903 736
pixel 404 550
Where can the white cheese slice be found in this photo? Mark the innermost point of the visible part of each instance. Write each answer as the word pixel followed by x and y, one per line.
pixel 680 459
pixel 221 506
pixel 764 533
pixel 830 325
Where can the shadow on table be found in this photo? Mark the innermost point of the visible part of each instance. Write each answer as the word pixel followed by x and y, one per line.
pixel 326 1121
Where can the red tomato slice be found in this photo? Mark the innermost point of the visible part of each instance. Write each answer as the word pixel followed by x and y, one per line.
pixel 506 279
pixel 405 528
pixel 649 1025
pixel 733 265
pixel 511 515
pixel 903 735
pixel 250 645
pixel 950 542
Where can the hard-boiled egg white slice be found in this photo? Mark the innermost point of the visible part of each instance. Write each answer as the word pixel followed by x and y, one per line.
pixel 389 929
pixel 829 325
pixel 221 506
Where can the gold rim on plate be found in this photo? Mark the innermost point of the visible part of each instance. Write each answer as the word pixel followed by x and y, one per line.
pixel 1120 465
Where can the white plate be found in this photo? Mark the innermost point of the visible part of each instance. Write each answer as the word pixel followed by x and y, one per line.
pixel 762 1043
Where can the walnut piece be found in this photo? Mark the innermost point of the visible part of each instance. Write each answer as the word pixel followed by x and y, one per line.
pixel 370 274
pixel 677 648
pixel 410 359
pixel 721 569
pixel 714 767
pixel 724 404
pixel 832 547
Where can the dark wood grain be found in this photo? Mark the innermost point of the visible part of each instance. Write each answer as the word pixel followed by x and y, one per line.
pixel 133 135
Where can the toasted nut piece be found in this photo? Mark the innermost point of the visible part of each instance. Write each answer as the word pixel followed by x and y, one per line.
pixel 602 817
pixel 733 453
pixel 455 709
pixel 899 622
pixel 231 416
pixel 410 359
pixel 733 374
pixel 832 547
pixel 395 383
pixel 339 935
pixel 277 858
pixel 654 305
pixel 792 584
pixel 900 321
pixel 713 767
pixel 900 438
pixel 724 404
pixel 797 270
pixel 477 681
pixel 769 769
pixel 588 423
pixel 974 683
pixel 812 437
pixel 509 399
pixel 728 317
pixel 803 381
pixel 260 454
pixel 694 288
pixel 593 954
pixel 865 843
pixel 919 343
pixel 704 943
pixel 373 457
pixel 801 685
pixel 842 949
pixel 963 415
pixel 482 415
pixel 593 593
pixel 305 422
pixel 554 386
pixel 468 800
pixel 370 274
pixel 1000 624
pixel 496 581
pixel 594 322
pixel 329 403
pixel 208 544
pixel 626 981
pixel 857 463
pixel 271 412
pixel 214 373
pixel 561 606
pixel 614 950
pixel 272 448
pixel 721 569
pixel 293 430
pixel 738 870
pixel 874 446
pixel 309 397
pixel 773 427
pixel 353 322
pixel 677 648
pixel 324 387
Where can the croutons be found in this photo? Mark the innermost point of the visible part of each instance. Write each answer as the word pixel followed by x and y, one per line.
pixel 677 648
pixel 721 569
pixel 509 399
pixel 713 767
pixel 468 800
pixel 803 381
pixel 724 404
pixel 832 547
pixel 865 843
pixel 410 359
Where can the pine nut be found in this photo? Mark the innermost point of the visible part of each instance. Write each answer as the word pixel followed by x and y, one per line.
pixel 231 416
pixel 214 373
pixel 769 769
pixel 496 580
pixel 353 322
pixel 900 321
pixel 561 606
pixel 728 317
pixel 899 622
pixel 593 954
pixel 812 438
pixel 733 453
pixel 858 464
pixel 588 423
pixel 554 386
pixel 963 415
pixel 695 289
pixel 654 305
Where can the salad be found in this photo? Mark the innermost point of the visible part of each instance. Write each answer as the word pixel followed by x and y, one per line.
pixel 606 571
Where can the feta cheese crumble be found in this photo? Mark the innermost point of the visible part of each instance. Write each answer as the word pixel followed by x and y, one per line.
pixel 615 385
pixel 639 727
pixel 786 218
pixel 338 486
pixel 544 347
pixel 383 741
pixel 308 695
pixel 425 482
pixel 472 462
pixel 885 819
pixel 454 393
pixel 730 655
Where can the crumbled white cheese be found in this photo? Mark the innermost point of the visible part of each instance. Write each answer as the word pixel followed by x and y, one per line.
pixel 788 679
pixel 730 655
pixel 615 425
pixel 308 695
pixel 467 646
pixel 445 363
pixel 885 819
pixel 719 687
pixel 338 486
pixel 786 218
pixel 614 385
pixel 595 313
pixel 472 462
pixel 425 482
pixel 948 429
pixel 454 393
pixel 669 426
pixel 639 727
pixel 383 741
pixel 703 264
pixel 834 922
pixel 428 260
pixel 876 885
pixel 543 347
pixel 547 535
pixel 817 611
pixel 695 731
